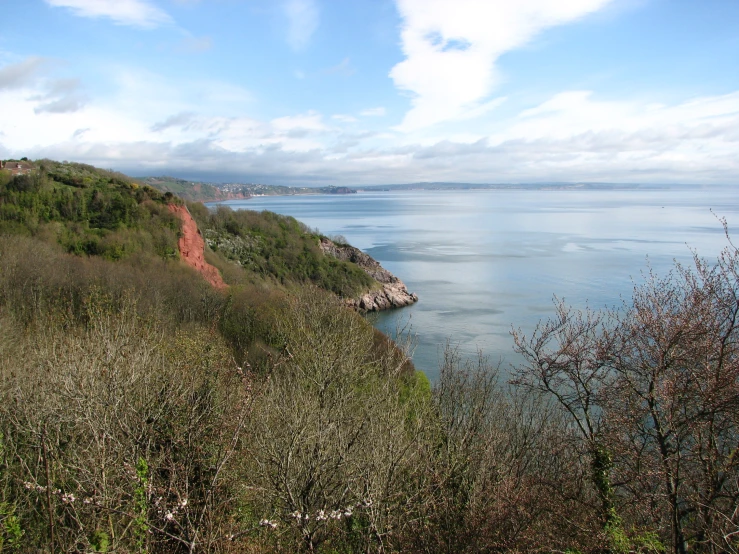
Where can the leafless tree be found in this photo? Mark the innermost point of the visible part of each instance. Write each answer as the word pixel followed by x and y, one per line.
pixel 653 390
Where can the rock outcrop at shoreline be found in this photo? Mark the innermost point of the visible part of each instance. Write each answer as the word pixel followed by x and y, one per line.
pixel 393 294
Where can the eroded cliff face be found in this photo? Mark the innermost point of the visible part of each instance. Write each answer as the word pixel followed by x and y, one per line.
pixel 192 248
pixel 393 294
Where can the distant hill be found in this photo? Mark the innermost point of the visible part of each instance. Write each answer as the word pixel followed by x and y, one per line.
pixel 194 191
pixel 515 186
pixel 198 191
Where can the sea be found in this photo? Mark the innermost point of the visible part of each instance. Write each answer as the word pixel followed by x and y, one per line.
pixel 485 262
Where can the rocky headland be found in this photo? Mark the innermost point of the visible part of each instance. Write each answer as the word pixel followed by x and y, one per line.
pixel 393 294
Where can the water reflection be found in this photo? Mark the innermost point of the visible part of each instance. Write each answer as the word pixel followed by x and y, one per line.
pixel 482 261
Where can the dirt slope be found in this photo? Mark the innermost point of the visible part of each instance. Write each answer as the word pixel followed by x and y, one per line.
pixel 192 248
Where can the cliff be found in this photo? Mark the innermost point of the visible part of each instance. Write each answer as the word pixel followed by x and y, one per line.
pixel 192 248
pixel 393 294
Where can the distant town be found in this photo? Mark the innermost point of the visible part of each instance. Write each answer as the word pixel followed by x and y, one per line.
pixel 214 192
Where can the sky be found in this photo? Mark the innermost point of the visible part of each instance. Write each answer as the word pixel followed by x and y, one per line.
pixel 359 92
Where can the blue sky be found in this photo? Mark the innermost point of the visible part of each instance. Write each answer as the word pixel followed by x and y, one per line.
pixel 307 92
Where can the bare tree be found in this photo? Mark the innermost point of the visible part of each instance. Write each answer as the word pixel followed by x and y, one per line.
pixel 653 390
pixel 567 359
pixel 333 437
pixel 122 435
pixel 678 387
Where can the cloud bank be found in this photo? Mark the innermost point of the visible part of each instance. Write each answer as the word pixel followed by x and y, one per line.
pixel 451 49
pixel 20 74
pixel 191 129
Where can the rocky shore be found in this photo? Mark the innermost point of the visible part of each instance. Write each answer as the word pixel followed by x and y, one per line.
pixel 393 294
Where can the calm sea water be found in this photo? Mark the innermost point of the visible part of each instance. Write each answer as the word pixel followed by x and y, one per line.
pixel 484 261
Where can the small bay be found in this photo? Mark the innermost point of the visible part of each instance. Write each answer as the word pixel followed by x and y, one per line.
pixel 483 261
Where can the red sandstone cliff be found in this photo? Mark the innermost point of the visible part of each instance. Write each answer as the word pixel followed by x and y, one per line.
pixel 192 248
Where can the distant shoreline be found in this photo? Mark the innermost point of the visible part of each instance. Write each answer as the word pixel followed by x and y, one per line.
pixel 200 191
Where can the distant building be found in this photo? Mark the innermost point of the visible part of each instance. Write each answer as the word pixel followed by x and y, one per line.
pixel 17 168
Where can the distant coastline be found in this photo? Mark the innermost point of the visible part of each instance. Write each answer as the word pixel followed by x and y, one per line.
pixel 201 191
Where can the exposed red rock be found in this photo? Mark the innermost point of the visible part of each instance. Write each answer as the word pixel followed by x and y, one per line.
pixel 192 248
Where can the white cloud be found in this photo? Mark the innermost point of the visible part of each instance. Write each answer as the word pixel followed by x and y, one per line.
pixel 200 124
pixel 344 118
pixel 22 73
pixel 49 95
pixel 451 48
pixel 181 120
pixel 298 133
pixel 62 96
pixel 576 136
pixel 65 104
pixel 577 114
pixel 373 112
pixel 303 19
pixel 344 67
pixel 195 45
pixel 135 13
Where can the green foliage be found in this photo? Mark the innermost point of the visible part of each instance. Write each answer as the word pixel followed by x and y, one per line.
pixel 101 213
pixel 181 419
pixel 278 248
pixel 618 540
pixel 141 506
pixel 100 541
pixel 11 531
pixel 187 190
pixel 649 542
pixel 97 213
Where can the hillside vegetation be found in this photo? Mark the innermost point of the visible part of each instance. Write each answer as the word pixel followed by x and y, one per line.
pixel 277 247
pixel 88 211
pixel 94 212
pixel 142 410
pixel 191 191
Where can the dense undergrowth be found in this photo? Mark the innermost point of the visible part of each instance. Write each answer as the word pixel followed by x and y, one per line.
pixel 88 211
pixel 277 247
pixel 141 410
